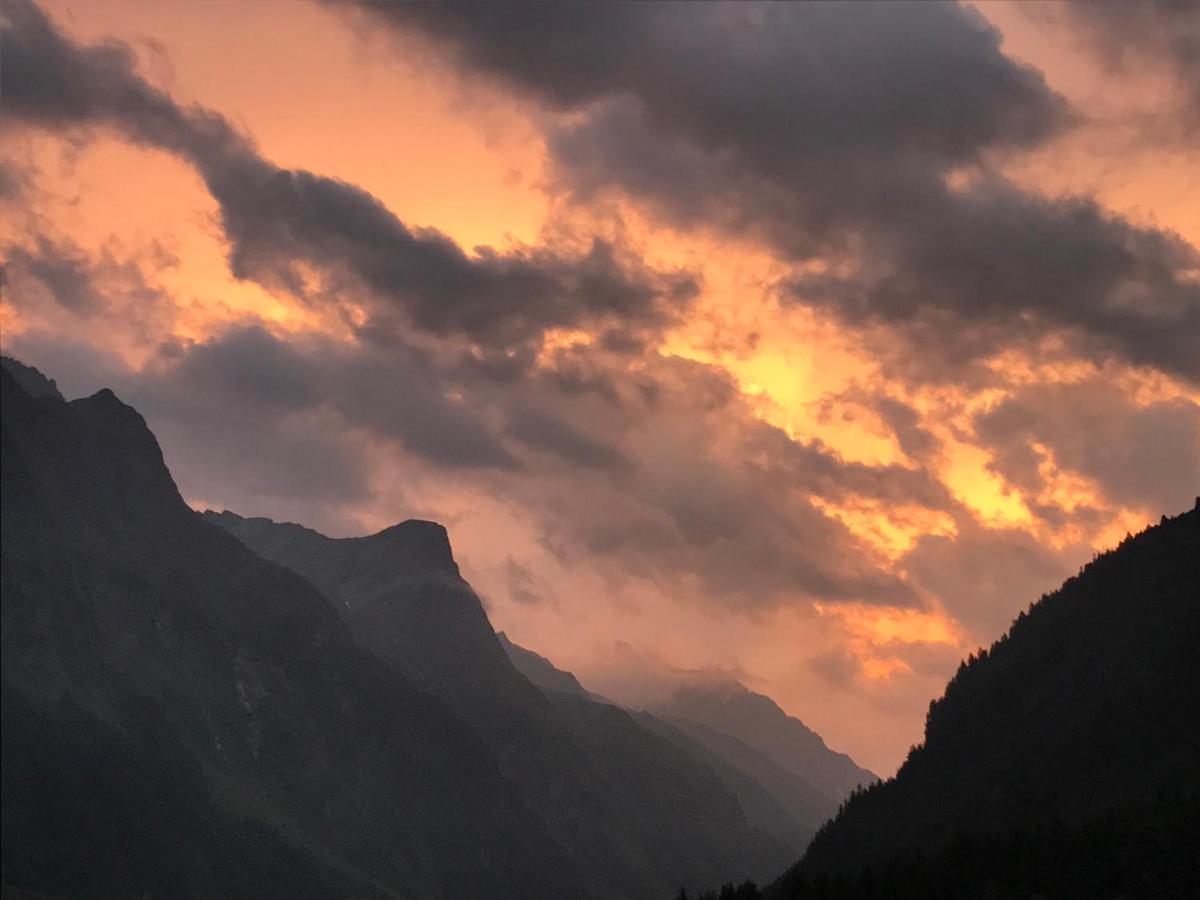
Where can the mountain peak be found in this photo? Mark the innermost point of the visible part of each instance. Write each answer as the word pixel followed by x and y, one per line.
pixel 423 542
pixel 30 379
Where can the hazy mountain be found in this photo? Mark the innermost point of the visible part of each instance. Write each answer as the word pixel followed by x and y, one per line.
pixel 1063 761
pixel 795 807
pixel 634 814
pixel 182 718
pixel 756 721
pixel 539 670
pixel 768 800
pixel 764 808
pixel 803 802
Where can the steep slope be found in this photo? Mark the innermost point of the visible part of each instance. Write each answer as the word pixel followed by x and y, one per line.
pixel 802 801
pixel 1063 759
pixel 539 670
pixel 30 379
pixel 634 814
pixel 756 721
pixel 757 800
pixel 181 718
pixel 762 805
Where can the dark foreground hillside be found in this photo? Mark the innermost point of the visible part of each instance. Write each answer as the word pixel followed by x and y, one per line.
pixel 1064 761
pixel 181 718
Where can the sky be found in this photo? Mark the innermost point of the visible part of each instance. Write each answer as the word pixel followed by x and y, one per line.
pixel 799 344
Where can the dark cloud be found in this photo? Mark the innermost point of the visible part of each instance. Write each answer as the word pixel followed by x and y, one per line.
pixel 14 181
pixel 50 276
pixel 837 667
pixel 795 80
pixel 862 133
pixel 535 427
pixel 1162 35
pixel 995 256
pixel 818 470
pixel 247 374
pixel 828 129
pixel 1145 456
pixel 522 584
pixel 282 224
pixel 984 577
pixel 905 423
pixel 61 268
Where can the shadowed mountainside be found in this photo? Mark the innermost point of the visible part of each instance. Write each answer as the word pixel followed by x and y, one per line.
pixel 755 720
pixel 634 813
pixel 540 671
pixel 764 809
pixel 182 718
pixel 1062 761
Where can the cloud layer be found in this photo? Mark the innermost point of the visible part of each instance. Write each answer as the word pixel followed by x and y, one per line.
pixel 868 136
pixel 892 392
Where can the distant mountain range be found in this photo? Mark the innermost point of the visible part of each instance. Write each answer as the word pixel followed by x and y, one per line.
pixel 208 705
pixel 728 708
pixel 1063 761
pixel 613 793
pixel 771 761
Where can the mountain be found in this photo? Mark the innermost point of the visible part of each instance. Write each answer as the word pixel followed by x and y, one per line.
pixel 1062 761
pixel 803 802
pixel 182 718
pixel 540 671
pixel 30 379
pixel 633 813
pixel 756 721
pixel 769 802
pixel 765 809
pixel 777 796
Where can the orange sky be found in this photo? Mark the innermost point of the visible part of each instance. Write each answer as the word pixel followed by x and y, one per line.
pixel 468 158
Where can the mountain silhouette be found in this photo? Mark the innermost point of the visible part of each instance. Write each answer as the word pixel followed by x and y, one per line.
pixel 752 732
pixel 770 803
pixel 30 379
pixel 1063 761
pixel 540 671
pixel 182 718
pixel 633 813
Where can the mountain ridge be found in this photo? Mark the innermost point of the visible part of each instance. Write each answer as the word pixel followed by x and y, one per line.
pixel 1075 732
pixel 154 657
pixel 612 812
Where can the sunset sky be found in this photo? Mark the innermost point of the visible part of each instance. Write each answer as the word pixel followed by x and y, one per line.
pixel 803 344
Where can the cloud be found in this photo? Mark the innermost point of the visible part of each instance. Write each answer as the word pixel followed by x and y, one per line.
pixel 1141 455
pixel 865 136
pixel 1163 35
pixel 540 430
pixel 318 238
pixel 522 583
pixel 61 268
pixel 984 577
pixel 115 292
